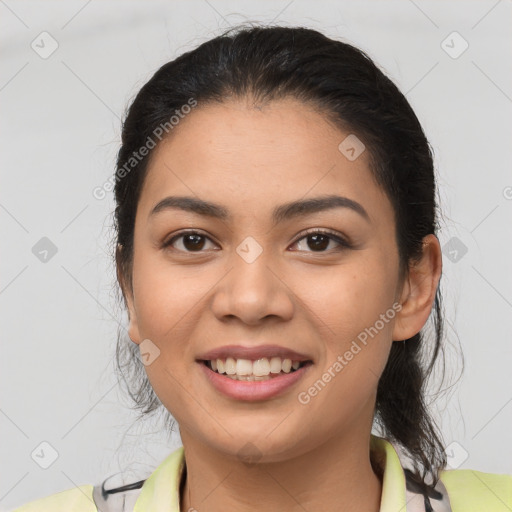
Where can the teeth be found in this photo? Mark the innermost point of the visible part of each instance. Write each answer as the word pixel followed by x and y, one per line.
pixel 245 369
pixel 230 366
pixel 275 365
pixel 261 367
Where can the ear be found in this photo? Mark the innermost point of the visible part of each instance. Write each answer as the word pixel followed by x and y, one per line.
pixel 127 291
pixel 419 291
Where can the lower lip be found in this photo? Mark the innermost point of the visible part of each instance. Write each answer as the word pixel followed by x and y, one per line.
pixel 255 390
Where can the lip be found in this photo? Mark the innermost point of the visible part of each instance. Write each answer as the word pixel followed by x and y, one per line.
pixel 256 390
pixel 253 353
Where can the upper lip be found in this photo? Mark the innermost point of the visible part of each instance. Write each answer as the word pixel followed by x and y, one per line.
pixel 253 353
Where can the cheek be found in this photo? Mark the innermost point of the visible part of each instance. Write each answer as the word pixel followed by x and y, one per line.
pixel 356 302
pixel 358 308
pixel 350 297
pixel 167 313
pixel 165 297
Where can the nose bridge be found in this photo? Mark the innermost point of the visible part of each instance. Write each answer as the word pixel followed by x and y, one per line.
pixel 252 276
pixel 251 290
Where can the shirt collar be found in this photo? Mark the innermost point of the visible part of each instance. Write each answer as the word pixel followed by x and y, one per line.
pixel 161 490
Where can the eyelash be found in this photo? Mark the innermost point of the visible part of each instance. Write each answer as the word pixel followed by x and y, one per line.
pixel 332 235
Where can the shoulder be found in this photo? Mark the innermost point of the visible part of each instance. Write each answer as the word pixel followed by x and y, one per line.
pixel 151 493
pixel 471 490
pixel 77 499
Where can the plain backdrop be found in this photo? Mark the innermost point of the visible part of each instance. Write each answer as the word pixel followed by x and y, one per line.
pixel 60 133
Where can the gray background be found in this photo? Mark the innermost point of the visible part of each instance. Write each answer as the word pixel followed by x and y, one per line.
pixel 60 133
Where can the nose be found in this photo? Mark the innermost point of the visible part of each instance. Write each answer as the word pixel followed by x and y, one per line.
pixel 252 292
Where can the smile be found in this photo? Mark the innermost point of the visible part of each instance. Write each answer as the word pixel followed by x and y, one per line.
pixel 262 379
pixel 247 370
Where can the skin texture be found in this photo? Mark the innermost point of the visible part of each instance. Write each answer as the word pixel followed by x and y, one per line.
pixel 313 456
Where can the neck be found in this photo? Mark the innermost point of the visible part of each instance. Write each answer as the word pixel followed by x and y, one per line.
pixel 334 476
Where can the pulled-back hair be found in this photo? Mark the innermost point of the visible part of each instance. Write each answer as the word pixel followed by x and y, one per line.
pixel 344 84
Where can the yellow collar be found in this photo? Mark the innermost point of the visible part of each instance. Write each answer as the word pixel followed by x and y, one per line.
pixel 161 490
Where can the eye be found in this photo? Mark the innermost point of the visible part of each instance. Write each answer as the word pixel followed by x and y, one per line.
pixel 188 241
pixel 318 240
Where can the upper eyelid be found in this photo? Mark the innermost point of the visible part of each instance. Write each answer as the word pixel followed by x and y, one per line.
pixel 322 231
pixel 176 236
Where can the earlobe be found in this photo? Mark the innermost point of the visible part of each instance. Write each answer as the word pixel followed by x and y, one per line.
pixel 419 291
pixel 133 328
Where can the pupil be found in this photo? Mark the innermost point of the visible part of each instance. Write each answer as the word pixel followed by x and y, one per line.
pixel 193 242
pixel 320 242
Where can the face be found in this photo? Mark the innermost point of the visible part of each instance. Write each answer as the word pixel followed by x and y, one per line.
pixel 264 278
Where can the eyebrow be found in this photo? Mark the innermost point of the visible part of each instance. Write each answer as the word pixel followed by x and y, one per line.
pixel 281 213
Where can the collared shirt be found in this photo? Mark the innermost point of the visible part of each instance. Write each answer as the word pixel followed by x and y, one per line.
pixel 468 490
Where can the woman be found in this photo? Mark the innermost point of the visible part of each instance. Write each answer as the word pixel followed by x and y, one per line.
pixel 276 249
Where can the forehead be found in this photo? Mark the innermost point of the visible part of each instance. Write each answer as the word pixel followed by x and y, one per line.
pixel 247 157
